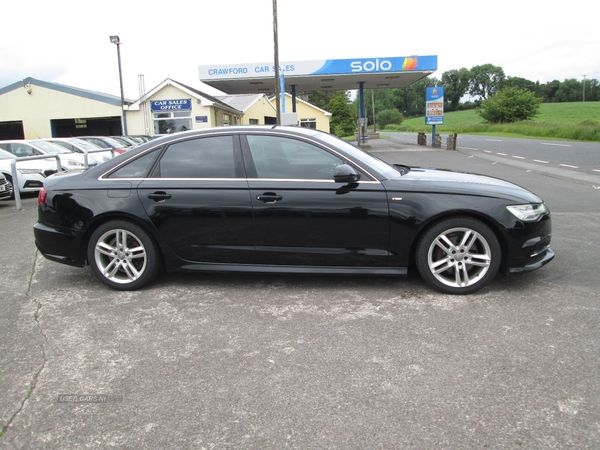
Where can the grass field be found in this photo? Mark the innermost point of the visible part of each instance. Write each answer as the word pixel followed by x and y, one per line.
pixel 568 121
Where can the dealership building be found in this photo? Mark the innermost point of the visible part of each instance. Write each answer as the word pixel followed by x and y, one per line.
pixel 32 109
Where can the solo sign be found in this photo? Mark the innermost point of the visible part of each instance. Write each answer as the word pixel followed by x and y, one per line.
pixel 434 105
pixel 171 105
pixel 371 66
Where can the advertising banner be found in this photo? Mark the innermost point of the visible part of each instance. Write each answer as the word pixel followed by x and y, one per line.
pixel 321 67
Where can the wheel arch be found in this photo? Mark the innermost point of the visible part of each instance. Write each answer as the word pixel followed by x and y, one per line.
pixel 491 223
pixel 113 215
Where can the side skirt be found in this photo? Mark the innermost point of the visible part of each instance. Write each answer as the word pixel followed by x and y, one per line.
pixel 203 267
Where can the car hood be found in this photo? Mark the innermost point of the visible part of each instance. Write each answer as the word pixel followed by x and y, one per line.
pixel 451 182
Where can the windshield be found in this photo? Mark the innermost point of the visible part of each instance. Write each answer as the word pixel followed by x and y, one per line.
pixel 85 145
pixel 6 155
pixel 49 147
pixel 113 142
pixel 365 158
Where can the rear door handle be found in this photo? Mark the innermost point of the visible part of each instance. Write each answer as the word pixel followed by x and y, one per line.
pixel 269 197
pixel 159 196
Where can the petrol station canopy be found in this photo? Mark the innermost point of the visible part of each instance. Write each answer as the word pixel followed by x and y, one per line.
pixel 335 74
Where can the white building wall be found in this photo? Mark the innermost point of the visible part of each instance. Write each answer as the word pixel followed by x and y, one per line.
pixel 38 108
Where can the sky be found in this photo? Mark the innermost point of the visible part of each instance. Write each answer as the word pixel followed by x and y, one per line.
pixel 67 42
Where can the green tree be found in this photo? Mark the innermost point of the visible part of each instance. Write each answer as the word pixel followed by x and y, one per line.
pixel 569 90
pixel 456 85
pixel 548 90
pixel 485 80
pixel 322 98
pixel 389 116
pixel 414 97
pixel 592 90
pixel 522 83
pixel 510 105
pixel 383 100
pixel 342 116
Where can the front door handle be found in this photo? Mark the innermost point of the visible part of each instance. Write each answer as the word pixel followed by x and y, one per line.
pixel 159 196
pixel 269 197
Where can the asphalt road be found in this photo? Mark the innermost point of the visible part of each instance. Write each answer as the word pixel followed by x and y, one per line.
pixel 573 156
pixel 271 362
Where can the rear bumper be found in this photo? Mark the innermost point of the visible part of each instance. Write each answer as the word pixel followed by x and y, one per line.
pixel 57 245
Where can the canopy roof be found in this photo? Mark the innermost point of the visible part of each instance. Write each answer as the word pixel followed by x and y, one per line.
pixel 345 74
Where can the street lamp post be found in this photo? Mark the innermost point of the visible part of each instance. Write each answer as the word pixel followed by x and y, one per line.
pixel 115 40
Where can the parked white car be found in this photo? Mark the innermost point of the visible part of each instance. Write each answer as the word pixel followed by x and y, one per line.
pixel 5 187
pixel 68 159
pixel 31 174
pixel 80 146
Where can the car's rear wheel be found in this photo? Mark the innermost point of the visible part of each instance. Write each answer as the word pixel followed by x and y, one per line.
pixel 123 255
pixel 459 255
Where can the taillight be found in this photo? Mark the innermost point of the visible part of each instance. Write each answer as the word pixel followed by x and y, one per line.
pixel 42 195
pixel 120 150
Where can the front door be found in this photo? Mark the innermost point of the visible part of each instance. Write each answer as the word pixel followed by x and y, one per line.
pixel 303 217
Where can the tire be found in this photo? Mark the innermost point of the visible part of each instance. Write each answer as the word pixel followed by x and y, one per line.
pixel 123 255
pixel 9 179
pixel 459 255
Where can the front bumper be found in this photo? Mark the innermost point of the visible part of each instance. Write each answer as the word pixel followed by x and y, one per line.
pixel 536 261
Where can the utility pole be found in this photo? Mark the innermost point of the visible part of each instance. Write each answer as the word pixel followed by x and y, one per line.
pixel 373 104
pixel 584 86
pixel 276 58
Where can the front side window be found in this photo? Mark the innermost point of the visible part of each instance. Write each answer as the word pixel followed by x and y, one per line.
pixel 280 157
pixel 210 157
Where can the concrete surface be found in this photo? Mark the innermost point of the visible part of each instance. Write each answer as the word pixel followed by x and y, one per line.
pixel 272 362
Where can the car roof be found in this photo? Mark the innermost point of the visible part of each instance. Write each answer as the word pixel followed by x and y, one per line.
pixel 298 131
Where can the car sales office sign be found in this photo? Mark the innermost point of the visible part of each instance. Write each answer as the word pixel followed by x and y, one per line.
pixel 434 105
pixel 183 104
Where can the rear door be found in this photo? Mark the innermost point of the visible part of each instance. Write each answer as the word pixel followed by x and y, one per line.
pixel 197 198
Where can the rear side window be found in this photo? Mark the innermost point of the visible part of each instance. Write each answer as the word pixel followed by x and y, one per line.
pixel 210 157
pixel 138 168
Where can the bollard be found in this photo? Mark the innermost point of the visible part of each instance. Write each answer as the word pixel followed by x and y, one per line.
pixel 451 142
pixel 438 141
pixel 422 139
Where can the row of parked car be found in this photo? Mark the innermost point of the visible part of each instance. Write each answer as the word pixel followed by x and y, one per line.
pixel 73 153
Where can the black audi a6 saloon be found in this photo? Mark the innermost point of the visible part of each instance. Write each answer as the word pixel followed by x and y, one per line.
pixel 286 200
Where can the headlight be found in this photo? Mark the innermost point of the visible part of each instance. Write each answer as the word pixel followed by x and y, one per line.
pixel 528 213
pixel 26 171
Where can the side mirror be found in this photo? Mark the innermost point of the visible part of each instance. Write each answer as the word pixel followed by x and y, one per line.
pixel 345 174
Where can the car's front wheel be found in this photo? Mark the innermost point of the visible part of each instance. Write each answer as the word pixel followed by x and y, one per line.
pixel 123 255
pixel 9 179
pixel 459 255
